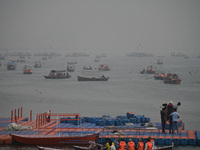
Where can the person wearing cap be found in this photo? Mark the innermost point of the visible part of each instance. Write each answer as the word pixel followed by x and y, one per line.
pixel 122 144
pixel 148 145
pixel 140 145
pixel 131 145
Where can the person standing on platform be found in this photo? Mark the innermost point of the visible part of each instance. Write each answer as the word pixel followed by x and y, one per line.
pixel 116 143
pixel 175 117
pixel 177 105
pixel 112 147
pixel 131 145
pixel 163 119
pixel 140 145
pixel 122 145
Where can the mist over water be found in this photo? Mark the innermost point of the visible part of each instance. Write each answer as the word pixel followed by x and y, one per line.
pixel 126 90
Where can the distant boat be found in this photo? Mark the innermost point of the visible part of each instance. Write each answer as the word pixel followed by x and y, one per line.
pixel 87 68
pixel 27 70
pixel 104 67
pixel 159 76
pixel 71 62
pixel 172 79
pixel 80 78
pixel 11 65
pixel 137 54
pixel 70 68
pixel 150 70
pixel 81 139
pixel 22 59
pixel 91 75
pixel 37 64
pixel 58 74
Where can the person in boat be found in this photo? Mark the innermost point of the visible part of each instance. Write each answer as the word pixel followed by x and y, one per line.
pixel 175 117
pixel 131 145
pixel 102 76
pixel 148 145
pixel 122 144
pixel 163 119
pixel 140 145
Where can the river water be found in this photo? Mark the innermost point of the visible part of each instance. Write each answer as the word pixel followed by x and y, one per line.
pixel 126 90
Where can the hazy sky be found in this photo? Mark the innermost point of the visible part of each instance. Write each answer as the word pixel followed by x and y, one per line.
pixel 95 25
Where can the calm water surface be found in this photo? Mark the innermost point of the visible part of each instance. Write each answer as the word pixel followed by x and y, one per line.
pixel 125 91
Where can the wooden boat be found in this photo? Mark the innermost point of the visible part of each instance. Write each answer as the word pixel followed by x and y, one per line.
pixel 71 62
pixel 58 74
pixel 46 148
pixel 70 68
pixel 11 65
pixel 164 147
pixel 87 68
pixel 104 67
pixel 159 76
pixel 27 70
pixel 150 70
pixel 81 78
pixel 172 79
pixel 79 139
pixel 22 59
pixel 92 146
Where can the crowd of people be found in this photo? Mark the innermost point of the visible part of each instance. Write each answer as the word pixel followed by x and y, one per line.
pixel 130 145
pixel 169 114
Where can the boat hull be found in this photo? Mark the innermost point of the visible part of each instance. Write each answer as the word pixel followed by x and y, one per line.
pixel 91 79
pixel 53 140
pixel 172 81
pixel 27 72
pixel 57 77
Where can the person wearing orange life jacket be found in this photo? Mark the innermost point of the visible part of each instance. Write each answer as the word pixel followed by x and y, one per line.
pixel 148 145
pixel 131 145
pixel 122 145
pixel 140 145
